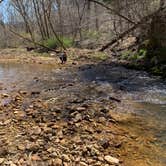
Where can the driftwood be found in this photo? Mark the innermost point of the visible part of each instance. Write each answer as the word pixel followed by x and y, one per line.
pixel 137 25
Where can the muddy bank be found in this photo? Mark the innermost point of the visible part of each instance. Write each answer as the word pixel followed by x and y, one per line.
pixel 66 115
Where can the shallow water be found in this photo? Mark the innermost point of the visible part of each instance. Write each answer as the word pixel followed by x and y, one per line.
pixel 141 94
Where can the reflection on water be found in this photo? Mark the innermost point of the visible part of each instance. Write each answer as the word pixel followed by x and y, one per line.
pixel 22 76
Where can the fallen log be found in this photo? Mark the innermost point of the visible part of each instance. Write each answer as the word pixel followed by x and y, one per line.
pixel 137 25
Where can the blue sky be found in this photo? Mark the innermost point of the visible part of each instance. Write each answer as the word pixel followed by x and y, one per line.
pixel 3 8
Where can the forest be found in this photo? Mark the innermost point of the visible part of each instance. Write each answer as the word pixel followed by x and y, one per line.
pixel 82 82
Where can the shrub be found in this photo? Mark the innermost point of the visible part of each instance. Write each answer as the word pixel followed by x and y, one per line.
pixel 54 43
pixel 68 42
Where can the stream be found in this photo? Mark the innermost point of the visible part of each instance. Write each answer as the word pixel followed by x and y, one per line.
pixel 141 95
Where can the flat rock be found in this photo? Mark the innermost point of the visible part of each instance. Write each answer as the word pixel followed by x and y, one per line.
pixel 111 160
pixel 2 160
pixel 83 164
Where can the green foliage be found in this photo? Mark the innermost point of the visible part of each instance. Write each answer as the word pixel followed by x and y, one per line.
pixel 129 55
pixel 100 56
pixel 68 42
pixel 54 43
pixel 125 55
pixel 156 70
pixel 51 43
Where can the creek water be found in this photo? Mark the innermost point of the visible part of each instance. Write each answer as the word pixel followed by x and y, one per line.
pixel 141 94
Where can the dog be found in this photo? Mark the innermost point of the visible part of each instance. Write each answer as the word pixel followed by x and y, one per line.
pixel 63 57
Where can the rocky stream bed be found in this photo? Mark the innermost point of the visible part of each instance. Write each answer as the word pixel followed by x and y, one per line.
pixel 79 114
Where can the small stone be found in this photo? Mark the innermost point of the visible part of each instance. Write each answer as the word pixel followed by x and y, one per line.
pixel 65 158
pixel 57 162
pixel 78 118
pixel 60 134
pixel 55 126
pixel 2 160
pixel 32 147
pixel 83 164
pixel 35 158
pixel 80 108
pixel 47 130
pixel 18 98
pixel 21 161
pixel 36 130
pixel 66 164
pixel 104 143
pixel 23 92
pixel 7 122
pixel 100 158
pixel 51 150
pixel 4 95
pixel 54 154
pixel 102 119
pixel 21 147
pixel 111 160
pixel 19 114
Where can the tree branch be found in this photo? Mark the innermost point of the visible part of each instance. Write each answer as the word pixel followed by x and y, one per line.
pixel 113 10
pixel 122 35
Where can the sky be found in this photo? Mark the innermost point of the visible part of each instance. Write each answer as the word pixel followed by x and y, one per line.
pixel 3 8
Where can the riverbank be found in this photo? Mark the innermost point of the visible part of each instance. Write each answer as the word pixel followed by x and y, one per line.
pixel 53 114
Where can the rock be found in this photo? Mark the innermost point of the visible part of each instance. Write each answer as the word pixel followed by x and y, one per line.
pixel 80 108
pixel 55 126
pixel 54 154
pixel 65 157
pixel 60 134
pixel 4 95
pixel 111 160
pixel 21 147
pixel 18 98
pixel 94 152
pixel 23 92
pixel 7 122
pixel 35 157
pixel 2 160
pixel 20 114
pixel 100 158
pixel 104 143
pixel 57 162
pixel 66 164
pixel 47 130
pixel 52 54
pixel 102 119
pixel 10 163
pixel 51 150
pixel 36 130
pixel 83 164
pixel 32 147
pixel 78 118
